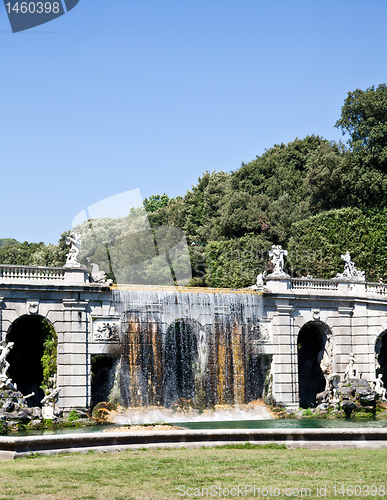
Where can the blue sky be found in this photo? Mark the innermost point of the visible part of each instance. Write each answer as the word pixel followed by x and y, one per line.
pixel 118 95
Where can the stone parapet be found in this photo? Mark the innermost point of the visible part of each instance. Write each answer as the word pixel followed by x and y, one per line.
pixel 38 275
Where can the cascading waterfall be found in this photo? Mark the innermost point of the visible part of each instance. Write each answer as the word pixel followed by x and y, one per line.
pixel 187 347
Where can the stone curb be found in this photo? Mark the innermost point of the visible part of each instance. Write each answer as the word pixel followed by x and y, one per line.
pixel 362 438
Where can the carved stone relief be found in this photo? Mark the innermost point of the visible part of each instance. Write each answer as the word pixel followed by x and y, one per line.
pixel 106 330
pixel 32 306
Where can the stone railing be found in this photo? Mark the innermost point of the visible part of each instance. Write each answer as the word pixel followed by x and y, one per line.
pixel 12 273
pixel 377 288
pixel 313 284
pixel 36 275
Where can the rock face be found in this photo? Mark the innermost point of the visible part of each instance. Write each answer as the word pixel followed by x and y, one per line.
pixel 352 396
pixel 15 412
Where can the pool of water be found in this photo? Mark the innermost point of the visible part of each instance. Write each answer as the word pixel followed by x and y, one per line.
pixel 288 423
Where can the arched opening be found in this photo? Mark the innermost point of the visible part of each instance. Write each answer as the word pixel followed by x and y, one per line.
pixel 381 357
pixel 311 343
pixel 181 362
pixel 103 374
pixel 141 364
pixel 33 357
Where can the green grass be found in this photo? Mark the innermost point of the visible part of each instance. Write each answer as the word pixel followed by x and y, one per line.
pixel 157 474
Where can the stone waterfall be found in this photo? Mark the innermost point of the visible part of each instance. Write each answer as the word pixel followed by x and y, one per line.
pixel 193 347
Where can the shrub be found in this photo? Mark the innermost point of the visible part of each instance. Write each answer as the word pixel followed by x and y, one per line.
pixel 73 415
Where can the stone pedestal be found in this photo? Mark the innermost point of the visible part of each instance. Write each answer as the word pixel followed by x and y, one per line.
pixel 48 412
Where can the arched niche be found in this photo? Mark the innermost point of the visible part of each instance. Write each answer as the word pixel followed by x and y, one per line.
pixel 103 376
pixel 314 347
pixel 29 334
pixel 381 356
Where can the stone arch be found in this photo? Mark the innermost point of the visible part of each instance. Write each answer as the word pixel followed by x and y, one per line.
pixel 381 356
pixel 315 358
pixel 182 363
pixel 28 332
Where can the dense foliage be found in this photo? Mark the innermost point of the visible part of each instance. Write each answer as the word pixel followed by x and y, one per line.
pixel 34 254
pixel 235 263
pixel 364 118
pixel 317 243
pixel 315 197
pixel 49 358
pixel 7 241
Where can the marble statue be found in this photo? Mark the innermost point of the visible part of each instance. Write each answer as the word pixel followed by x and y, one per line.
pixel 379 387
pixel 4 365
pixel 277 254
pixel 350 371
pixel 49 398
pixel 260 283
pixel 74 240
pixel 5 381
pixel 324 358
pixel 48 402
pixel 334 390
pixel 98 277
pixel 350 272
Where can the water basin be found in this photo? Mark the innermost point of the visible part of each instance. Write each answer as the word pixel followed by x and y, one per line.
pixel 289 423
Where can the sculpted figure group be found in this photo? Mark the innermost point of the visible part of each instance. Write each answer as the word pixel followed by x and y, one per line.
pixel 5 381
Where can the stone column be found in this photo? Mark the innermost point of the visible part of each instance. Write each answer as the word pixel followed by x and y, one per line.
pixel 362 344
pixel 73 357
pixel 285 364
pixel 2 332
pixel 343 338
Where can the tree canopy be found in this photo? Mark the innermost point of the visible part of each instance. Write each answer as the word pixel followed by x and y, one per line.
pixel 364 118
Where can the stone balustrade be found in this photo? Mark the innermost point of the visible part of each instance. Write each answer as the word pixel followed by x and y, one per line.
pixel 335 287
pixel 15 273
pixel 313 284
pixel 376 289
pixel 39 275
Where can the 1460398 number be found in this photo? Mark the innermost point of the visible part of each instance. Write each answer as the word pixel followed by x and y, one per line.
pixel 360 490
pixel 34 7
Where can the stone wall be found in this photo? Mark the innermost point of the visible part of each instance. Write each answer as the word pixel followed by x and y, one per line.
pixel 86 320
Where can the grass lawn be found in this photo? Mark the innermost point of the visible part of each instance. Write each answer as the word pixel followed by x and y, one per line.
pixel 157 474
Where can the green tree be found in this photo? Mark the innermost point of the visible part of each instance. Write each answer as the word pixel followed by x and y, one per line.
pixel 155 202
pixel 35 254
pixel 7 241
pixel 364 118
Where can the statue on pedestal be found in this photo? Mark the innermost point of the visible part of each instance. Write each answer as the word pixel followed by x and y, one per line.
pixel 350 272
pixel 350 371
pixel 277 254
pixel 49 400
pixel 74 240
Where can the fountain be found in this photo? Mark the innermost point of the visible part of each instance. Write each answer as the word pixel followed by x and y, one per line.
pixel 187 360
